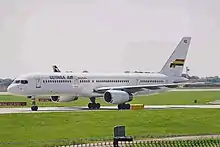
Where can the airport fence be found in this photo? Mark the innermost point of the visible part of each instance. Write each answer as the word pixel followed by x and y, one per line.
pixel 107 142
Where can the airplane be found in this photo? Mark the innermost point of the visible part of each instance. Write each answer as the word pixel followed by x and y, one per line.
pixel 114 88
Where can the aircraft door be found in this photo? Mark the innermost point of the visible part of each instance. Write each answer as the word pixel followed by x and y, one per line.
pixel 137 81
pixel 38 82
pixel 75 82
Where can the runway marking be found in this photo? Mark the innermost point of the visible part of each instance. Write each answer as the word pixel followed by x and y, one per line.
pixel 103 108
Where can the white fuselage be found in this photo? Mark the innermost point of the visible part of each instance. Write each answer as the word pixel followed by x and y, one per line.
pixel 80 84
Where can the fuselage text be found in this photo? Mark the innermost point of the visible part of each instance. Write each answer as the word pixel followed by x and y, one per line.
pixel 60 77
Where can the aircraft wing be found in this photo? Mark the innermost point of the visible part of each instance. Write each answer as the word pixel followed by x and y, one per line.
pixel 136 88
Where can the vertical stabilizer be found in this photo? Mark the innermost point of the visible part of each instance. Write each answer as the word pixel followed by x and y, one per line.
pixel 175 64
pixel 55 68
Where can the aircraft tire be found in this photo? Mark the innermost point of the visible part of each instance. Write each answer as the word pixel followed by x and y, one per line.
pixel 124 106
pixel 119 106
pixel 90 105
pixel 34 108
pixel 98 105
pixel 94 105
pixel 128 106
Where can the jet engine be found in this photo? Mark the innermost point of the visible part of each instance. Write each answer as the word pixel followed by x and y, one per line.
pixel 63 98
pixel 117 96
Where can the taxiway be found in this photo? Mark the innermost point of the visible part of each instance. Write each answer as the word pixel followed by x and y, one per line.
pixel 103 108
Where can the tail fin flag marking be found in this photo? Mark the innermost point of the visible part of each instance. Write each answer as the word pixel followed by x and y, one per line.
pixel 177 62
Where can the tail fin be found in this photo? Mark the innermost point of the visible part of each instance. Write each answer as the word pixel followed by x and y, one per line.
pixel 55 68
pixel 174 65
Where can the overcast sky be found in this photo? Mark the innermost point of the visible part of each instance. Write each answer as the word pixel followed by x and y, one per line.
pixel 107 35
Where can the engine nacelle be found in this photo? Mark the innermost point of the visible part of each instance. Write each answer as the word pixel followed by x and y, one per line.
pixel 63 98
pixel 117 96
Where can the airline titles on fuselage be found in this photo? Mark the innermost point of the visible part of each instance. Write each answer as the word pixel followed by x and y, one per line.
pixel 60 77
pixel 66 77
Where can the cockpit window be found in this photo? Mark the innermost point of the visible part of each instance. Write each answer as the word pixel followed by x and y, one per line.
pixel 21 82
pixel 17 81
pixel 24 81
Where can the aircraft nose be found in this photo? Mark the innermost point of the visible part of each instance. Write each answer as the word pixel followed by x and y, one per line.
pixel 9 89
pixel 12 89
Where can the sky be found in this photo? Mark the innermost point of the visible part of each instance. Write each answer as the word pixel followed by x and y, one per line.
pixel 107 35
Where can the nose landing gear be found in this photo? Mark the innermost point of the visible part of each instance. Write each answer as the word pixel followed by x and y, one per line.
pixel 34 107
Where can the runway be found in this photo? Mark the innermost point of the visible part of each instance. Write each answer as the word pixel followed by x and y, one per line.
pixel 103 108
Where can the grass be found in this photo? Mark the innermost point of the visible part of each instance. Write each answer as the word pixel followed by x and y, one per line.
pixel 99 124
pixel 168 98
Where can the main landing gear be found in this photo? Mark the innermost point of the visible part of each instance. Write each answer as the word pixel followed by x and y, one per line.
pixel 124 106
pixel 93 105
pixel 34 107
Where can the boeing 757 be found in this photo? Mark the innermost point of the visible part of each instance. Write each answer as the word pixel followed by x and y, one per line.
pixel 115 88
